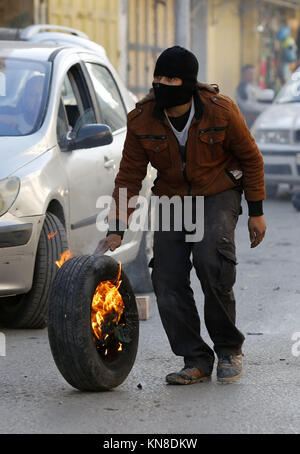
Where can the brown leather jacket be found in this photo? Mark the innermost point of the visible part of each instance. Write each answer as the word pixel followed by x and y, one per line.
pixel 219 141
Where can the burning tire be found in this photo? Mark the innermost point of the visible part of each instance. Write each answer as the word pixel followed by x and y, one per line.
pixel 30 310
pixel 93 323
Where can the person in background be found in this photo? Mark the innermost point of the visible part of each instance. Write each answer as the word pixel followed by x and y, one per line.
pixel 249 94
pixel 22 121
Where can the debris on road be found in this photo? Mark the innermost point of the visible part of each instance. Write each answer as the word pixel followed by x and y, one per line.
pixel 143 305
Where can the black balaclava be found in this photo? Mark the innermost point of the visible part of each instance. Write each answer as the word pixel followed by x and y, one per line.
pixel 175 62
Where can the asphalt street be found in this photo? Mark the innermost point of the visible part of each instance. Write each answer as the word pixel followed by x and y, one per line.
pixel 36 399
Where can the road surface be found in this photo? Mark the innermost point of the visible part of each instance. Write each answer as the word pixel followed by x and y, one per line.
pixel 36 399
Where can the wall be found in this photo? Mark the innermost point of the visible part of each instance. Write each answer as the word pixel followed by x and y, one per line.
pixel 151 29
pixel 224 45
pixel 97 18
pixel 20 15
pixel 250 38
pixel 133 32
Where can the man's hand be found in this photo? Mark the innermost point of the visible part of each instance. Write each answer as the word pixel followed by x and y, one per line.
pixel 257 229
pixel 111 242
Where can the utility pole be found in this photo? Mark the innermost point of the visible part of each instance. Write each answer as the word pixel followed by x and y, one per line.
pixel 40 11
pixel 123 40
pixel 183 29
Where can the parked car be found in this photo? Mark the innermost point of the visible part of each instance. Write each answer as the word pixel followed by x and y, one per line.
pixel 277 133
pixel 57 35
pixel 63 111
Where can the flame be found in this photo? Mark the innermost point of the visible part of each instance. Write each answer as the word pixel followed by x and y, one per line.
pixel 107 305
pixel 52 235
pixel 65 256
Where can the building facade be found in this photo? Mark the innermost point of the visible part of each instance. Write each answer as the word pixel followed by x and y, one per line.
pixel 224 34
pixel 227 34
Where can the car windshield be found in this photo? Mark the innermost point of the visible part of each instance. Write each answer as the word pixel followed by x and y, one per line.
pixel 23 95
pixel 290 92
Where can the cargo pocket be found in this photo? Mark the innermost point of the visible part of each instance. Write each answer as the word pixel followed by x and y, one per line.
pixel 213 139
pixel 226 252
pixel 157 149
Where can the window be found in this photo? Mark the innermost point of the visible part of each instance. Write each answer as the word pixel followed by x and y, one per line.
pixel 24 87
pixel 75 109
pixel 109 99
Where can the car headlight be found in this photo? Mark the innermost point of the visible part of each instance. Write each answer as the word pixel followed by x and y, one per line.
pixel 9 190
pixel 272 136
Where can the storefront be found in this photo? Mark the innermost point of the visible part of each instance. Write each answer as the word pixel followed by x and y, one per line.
pixel 271 19
pixel 228 34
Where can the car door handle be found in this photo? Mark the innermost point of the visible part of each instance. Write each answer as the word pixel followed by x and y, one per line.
pixel 109 163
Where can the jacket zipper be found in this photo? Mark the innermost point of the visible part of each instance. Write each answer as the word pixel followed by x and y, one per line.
pixel 183 168
pixel 185 176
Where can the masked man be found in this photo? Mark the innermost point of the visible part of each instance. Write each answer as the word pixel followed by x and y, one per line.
pixel 200 145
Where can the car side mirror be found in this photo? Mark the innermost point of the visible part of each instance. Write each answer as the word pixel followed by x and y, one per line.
pixel 90 136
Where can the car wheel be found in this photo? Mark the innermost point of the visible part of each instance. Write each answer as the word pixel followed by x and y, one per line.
pixel 271 190
pixel 30 310
pixel 86 362
pixel 138 270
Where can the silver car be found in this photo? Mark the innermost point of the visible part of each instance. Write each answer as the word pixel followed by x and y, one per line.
pixel 63 116
pixel 277 133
